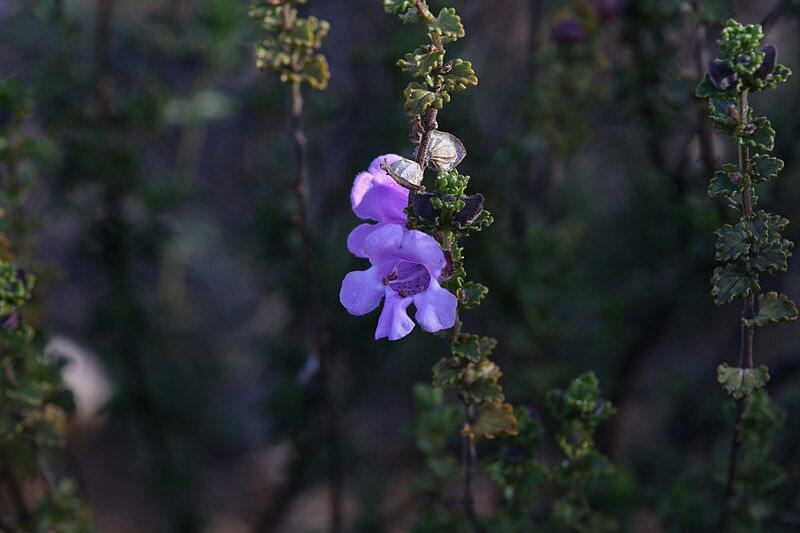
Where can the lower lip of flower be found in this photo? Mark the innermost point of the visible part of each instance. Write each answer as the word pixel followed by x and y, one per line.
pixel 408 279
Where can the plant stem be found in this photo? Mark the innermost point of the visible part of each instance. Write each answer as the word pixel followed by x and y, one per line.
pixel 14 489
pixel 746 356
pixel 316 347
pixel 469 458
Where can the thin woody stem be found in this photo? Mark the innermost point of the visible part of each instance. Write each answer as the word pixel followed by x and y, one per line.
pixel 316 344
pixel 746 356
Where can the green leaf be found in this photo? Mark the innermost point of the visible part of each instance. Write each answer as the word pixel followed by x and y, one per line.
pixel 421 62
pixel 758 227
pixel 472 294
pixel 419 99
pixel 764 168
pixel 773 257
pixel 732 242
pixel 706 89
pixel 721 184
pixel 721 111
pixel 446 372
pixel 729 282
pixel 449 25
pixel 395 7
pixel 763 138
pixel 308 33
pixel 494 419
pixel 314 71
pixel 468 347
pixel 741 382
pixel 773 308
pixel 272 54
pixel 459 76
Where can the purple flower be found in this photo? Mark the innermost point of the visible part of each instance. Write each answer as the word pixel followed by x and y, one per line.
pixel 376 196
pixel 406 268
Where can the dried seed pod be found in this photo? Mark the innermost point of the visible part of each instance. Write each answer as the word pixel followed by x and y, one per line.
pixel 406 172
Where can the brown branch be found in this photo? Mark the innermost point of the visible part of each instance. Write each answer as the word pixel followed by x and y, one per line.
pixel 316 347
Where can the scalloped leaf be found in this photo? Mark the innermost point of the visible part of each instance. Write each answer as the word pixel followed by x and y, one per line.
pixel 706 89
pixel 314 71
pixel 764 168
pixel 472 294
pixel 763 138
pixel 729 282
pixel 773 308
pixel 421 61
pixel 419 99
pixel 459 76
pixel 722 184
pixel 494 419
pixel 741 382
pixel 732 242
pixel 449 25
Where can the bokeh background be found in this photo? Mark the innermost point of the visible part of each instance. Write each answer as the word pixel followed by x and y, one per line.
pixel 175 293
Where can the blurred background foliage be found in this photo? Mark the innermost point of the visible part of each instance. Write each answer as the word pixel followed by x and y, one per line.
pixel 163 200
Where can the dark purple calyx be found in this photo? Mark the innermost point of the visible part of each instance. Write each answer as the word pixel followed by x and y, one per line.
pixel 770 60
pixel 568 32
pixel 408 279
pixel 721 75
pixel 421 204
pixel 473 205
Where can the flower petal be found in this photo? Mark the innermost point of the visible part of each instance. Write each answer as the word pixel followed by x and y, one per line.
pixel 436 308
pixel 383 244
pixel 394 322
pixel 376 196
pixel 362 290
pixel 375 166
pixel 355 241
pixel 418 247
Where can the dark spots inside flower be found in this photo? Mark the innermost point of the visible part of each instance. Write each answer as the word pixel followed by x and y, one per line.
pixel 721 75
pixel 473 205
pixel 568 32
pixel 770 60
pixel 408 279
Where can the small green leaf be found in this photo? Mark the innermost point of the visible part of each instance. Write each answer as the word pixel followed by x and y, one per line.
pixel 419 99
pixel 472 294
pixel 459 76
pixel 421 62
pixel 449 25
pixel 446 372
pixel 758 227
pixel 732 242
pixel 764 168
pixel 773 308
pixel 762 138
pixel 721 184
pixel 468 347
pixel 773 257
pixel 494 419
pixel 706 89
pixel 729 282
pixel 314 71
pixel 396 7
pixel 308 33
pixel 741 382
